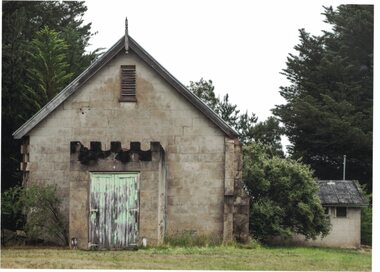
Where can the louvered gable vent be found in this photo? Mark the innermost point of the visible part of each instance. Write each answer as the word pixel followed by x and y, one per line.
pixel 128 83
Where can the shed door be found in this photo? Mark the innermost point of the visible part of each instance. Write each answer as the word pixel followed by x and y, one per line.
pixel 114 210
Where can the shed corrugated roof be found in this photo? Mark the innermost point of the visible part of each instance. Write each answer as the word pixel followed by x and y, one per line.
pixel 341 193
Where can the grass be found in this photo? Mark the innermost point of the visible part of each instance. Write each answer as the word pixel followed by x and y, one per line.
pixel 199 258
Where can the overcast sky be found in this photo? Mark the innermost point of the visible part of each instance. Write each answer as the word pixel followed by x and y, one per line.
pixel 241 46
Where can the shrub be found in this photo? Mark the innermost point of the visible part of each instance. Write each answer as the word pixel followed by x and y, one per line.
pixel 284 196
pixel 40 206
pixel 44 218
pixel 12 216
pixel 366 223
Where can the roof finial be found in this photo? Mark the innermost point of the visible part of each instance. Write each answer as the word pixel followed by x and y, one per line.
pixel 126 42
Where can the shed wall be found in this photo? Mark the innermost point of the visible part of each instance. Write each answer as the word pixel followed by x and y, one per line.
pixel 344 233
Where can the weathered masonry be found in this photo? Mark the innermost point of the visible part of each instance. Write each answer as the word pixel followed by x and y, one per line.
pixel 135 155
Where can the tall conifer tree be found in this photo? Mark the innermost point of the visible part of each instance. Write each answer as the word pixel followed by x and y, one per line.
pixel 21 23
pixel 329 106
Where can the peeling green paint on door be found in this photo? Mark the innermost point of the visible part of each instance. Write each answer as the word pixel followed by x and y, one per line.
pixel 114 210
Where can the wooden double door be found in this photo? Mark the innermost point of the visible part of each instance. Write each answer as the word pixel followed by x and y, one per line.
pixel 114 210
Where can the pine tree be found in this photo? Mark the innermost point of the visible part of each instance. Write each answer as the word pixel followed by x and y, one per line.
pixel 245 127
pixel 228 112
pixel 205 91
pixel 47 68
pixel 242 123
pixel 268 133
pixel 21 21
pixel 328 112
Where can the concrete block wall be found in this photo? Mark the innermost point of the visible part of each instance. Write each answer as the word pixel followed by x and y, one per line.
pixel 194 146
pixel 344 233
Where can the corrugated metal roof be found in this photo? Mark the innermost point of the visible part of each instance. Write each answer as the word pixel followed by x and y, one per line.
pixel 341 193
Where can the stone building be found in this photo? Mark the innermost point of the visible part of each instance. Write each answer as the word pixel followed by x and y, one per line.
pixel 134 154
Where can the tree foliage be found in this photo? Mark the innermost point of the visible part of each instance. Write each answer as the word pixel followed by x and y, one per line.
pixel 329 106
pixel 283 191
pixel 245 127
pixel 284 196
pixel 228 111
pixel 23 73
pixel 11 210
pixel 366 223
pixel 204 89
pixel 47 68
pixel 268 132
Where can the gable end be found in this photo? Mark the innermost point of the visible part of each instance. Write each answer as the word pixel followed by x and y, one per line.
pixel 102 61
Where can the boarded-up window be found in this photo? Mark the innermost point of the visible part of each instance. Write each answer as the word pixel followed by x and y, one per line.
pixel 128 83
pixel 341 211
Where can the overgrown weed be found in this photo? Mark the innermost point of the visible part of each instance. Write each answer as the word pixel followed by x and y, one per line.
pixel 192 239
pixel 190 242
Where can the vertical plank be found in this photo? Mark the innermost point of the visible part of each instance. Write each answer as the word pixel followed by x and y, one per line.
pixel 92 218
pixel 96 206
pixel 121 204
pixel 95 192
pixel 119 210
pixel 127 227
pixel 93 215
pixel 108 211
pixel 102 212
pixel 115 214
pixel 118 202
pixel 132 209
pixel 124 219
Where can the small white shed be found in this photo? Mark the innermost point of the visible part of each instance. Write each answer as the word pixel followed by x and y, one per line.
pixel 342 200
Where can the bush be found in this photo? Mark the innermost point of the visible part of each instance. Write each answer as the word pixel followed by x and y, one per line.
pixel 40 206
pixel 366 223
pixel 12 216
pixel 284 196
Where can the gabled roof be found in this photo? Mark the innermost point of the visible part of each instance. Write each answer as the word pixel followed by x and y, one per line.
pixel 341 193
pixel 77 83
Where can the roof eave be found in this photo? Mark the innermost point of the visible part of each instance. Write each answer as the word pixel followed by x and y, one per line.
pixel 351 205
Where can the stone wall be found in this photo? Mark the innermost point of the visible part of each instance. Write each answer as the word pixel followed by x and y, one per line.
pixel 194 146
pixel 236 201
pixel 241 199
